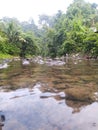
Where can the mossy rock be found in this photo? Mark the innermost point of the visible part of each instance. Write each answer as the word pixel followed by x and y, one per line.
pixel 83 94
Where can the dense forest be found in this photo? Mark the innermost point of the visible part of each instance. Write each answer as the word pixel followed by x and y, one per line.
pixel 63 33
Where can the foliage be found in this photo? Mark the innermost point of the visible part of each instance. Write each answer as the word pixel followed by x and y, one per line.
pixel 28 46
pixel 91 44
pixel 14 41
pixel 4 56
pixel 73 32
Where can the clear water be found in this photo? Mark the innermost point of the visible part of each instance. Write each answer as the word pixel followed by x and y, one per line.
pixel 33 97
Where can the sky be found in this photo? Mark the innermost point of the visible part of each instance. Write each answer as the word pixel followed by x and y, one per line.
pixel 25 10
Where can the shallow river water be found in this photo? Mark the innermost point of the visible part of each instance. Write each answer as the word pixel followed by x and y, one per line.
pixel 34 96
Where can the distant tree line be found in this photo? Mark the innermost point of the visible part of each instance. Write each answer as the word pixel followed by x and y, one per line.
pixel 58 35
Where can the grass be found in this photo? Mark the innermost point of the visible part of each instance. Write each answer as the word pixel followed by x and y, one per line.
pixel 5 56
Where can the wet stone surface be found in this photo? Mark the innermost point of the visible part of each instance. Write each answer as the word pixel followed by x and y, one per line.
pixel 42 97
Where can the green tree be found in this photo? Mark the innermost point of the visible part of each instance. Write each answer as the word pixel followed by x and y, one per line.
pixel 28 45
pixel 91 44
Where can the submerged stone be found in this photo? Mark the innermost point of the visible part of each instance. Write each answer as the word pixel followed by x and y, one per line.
pixel 83 94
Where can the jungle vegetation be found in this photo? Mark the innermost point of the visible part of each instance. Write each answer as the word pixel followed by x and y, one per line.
pixel 72 32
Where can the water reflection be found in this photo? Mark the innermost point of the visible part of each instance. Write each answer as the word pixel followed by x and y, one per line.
pixel 76 105
pixel 25 109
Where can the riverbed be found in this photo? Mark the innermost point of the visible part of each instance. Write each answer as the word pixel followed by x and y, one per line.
pixel 49 97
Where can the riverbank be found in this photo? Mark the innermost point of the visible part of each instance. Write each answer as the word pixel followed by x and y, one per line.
pixel 62 58
pixel 5 56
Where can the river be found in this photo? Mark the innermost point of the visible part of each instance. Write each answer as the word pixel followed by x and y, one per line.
pixel 49 97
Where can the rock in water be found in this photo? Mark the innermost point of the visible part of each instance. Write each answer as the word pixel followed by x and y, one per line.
pixel 25 62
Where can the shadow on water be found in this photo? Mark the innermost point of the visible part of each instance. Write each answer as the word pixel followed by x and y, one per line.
pixel 41 97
